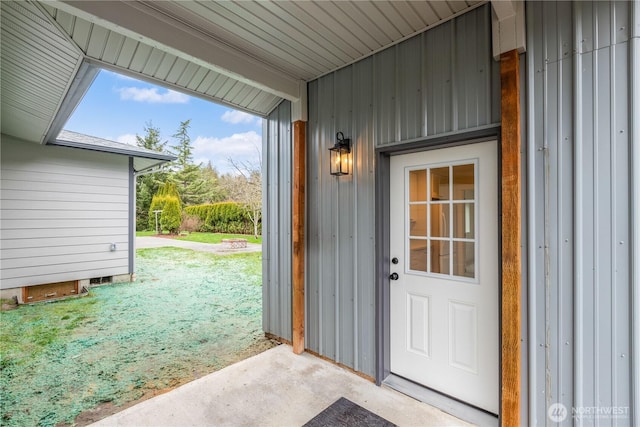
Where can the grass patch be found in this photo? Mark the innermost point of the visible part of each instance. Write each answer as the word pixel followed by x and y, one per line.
pixel 145 233
pixel 217 237
pixel 28 331
pixel 188 314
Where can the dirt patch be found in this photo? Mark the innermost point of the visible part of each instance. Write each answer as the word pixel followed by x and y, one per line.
pixel 8 304
pixel 96 414
pixel 166 236
pixel 188 315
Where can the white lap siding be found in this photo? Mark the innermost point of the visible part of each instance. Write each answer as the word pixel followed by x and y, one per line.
pixel 60 211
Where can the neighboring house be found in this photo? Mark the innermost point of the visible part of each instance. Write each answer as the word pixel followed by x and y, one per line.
pixel 482 251
pixel 68 214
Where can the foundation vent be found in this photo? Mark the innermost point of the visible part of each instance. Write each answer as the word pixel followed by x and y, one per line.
pixel 100 280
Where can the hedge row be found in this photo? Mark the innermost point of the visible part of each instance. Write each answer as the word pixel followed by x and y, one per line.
pixel 225 217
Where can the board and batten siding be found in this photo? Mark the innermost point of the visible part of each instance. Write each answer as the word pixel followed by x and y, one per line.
pixel 579 72
pixel 277 160
pixel 438 83
pixel 61 209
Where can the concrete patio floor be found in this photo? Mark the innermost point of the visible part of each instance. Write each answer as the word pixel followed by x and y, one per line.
pixel 275 388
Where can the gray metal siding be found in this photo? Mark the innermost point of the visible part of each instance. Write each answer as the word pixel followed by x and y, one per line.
pixel 428 85
pixel 579 190
pixel 61 209
pixel 634 134
pixel 580 301
pixel 443 80
pixel 276 222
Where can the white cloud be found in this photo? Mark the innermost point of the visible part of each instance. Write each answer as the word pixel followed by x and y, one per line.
pixel 127 138
pixel 236 117
pixel 152 96
pixel 241 147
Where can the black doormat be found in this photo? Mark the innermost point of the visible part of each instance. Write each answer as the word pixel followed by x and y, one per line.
pixel 344 412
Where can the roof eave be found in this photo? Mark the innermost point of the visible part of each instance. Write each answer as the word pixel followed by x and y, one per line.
pixel 113 150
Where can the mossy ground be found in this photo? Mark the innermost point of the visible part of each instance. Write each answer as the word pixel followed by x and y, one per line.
pixel 188 314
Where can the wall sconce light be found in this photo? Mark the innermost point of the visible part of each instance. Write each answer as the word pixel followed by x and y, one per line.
pixel 339 155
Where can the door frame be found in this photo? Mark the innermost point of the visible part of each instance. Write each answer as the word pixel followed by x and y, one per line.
pixel 382 238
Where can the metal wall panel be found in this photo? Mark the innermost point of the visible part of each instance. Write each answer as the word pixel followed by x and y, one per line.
pixel 276 222
pixel 425 86
pixel 443 80
pixel 363 304
pixel 578 259
pixel 579 191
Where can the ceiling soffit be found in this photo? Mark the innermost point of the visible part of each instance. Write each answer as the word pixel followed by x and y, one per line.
pixel 307 39
pixel 128 55
pixel 248 55
pixel 269 45
pixel 38 65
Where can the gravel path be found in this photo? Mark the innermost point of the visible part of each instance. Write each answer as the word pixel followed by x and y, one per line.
pixel 215 248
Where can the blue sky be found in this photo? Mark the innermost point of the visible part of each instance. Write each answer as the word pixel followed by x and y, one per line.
pixel 118 108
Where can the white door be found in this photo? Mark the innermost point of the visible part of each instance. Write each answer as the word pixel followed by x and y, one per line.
pixel 444 249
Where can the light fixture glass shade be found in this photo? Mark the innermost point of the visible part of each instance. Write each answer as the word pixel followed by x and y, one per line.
pixel 339 161
pixel 340 156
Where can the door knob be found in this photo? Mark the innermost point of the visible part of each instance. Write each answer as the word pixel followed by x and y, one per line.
pixel 394 261
pixel 394 276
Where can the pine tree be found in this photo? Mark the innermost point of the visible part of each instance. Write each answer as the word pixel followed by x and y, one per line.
pixel 187 176
pixel 183 150
pixel 152 140
pixel 214 192
pixel 147 185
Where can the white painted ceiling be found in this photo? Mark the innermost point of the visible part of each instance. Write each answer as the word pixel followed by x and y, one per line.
pixel 246 54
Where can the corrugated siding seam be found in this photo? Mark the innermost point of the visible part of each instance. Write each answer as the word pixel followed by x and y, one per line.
pixel 276 228
pixel 634 69
pixel 578 293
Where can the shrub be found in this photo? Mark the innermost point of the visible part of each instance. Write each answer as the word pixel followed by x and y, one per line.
pixel 169 189
pixel 171 216
pixel 225 217
pixel 199 211
pixel 157 204
pixel 191 223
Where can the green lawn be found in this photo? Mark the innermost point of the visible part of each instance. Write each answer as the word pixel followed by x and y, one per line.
pixel 188 314
pixel 145 233
pixel 206 237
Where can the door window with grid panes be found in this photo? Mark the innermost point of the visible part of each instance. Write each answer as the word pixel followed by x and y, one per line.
pixel 441 219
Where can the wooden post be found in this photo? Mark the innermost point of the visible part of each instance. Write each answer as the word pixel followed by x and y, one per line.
pixel 299 179
pixel 511 238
